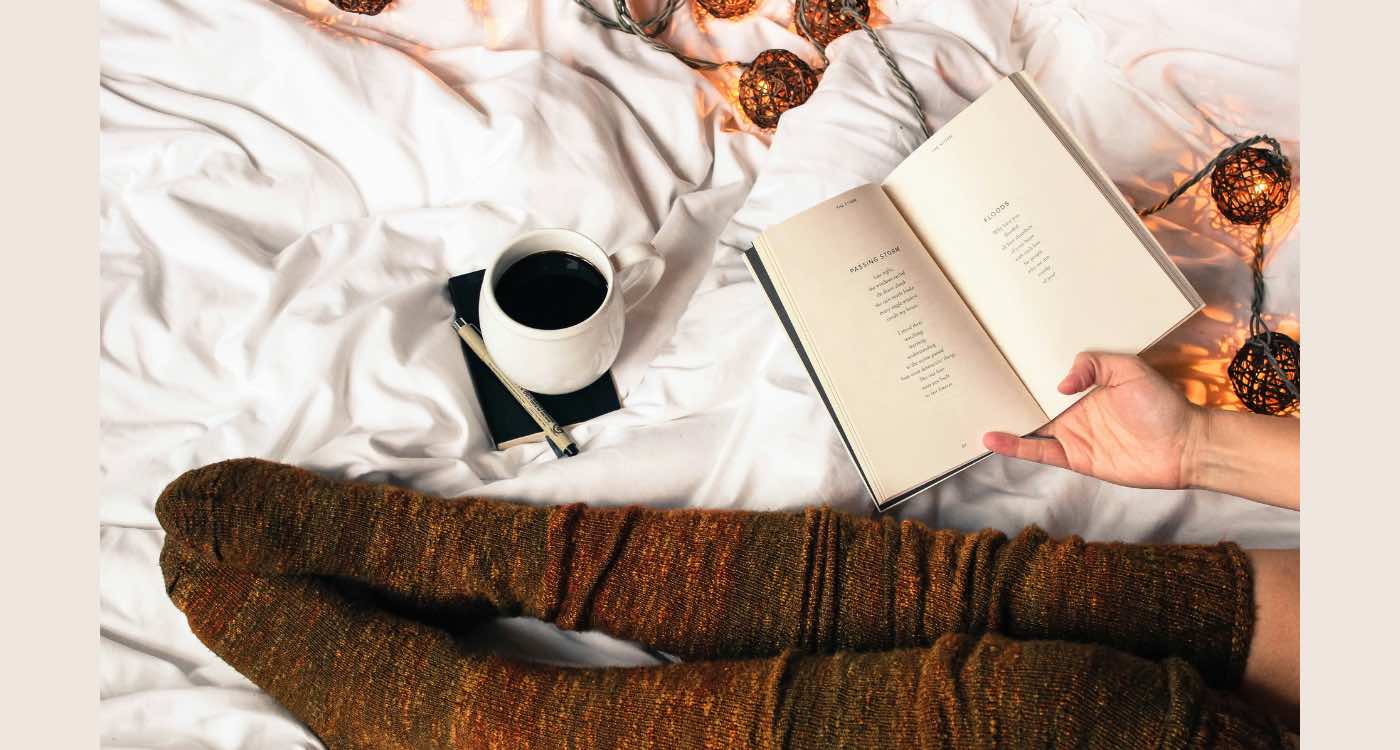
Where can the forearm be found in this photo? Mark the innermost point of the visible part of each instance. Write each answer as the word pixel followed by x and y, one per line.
pixel 1271 670
pixel 1248 455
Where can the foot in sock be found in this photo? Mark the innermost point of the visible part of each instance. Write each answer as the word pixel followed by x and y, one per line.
pixel 705 584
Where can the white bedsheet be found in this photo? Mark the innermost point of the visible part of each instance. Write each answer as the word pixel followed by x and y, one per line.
pixel 286 188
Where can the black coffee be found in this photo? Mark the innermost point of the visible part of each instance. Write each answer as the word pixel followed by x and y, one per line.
pixel 551 290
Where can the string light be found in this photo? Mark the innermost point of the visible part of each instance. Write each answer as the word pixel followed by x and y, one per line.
pixel 776 80
pixel 1250 185
pixel 782 82
pixel 857 12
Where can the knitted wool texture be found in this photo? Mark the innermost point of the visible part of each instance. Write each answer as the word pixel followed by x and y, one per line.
pixel 351 604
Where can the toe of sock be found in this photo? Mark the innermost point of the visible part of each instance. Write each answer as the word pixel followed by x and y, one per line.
pixel 191 508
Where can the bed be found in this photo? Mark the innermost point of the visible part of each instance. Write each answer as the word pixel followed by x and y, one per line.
pixel 285 189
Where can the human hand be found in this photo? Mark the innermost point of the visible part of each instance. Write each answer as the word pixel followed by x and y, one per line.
pixel 1135 429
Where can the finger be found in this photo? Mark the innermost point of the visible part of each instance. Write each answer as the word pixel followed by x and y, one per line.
pixel 1098 368
pixel 1040 450
pixel 1081 374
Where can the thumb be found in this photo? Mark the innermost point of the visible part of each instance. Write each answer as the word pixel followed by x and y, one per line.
pixel 1099 368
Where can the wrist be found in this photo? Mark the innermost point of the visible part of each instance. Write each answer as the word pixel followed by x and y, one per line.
pixel 1197 455
pixel 1243 454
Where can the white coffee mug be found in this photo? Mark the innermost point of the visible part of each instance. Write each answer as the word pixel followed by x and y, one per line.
pixel 566 359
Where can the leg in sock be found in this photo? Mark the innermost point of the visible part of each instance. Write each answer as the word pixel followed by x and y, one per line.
pixel 704 584
pixel 361 676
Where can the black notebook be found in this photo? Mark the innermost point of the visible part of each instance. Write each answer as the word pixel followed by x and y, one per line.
pixel 507 422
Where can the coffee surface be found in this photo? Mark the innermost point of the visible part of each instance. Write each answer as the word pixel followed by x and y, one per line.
pixel 551 290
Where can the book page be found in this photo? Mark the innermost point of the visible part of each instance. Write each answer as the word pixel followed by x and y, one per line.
pixel 1044 258
pixel 912 378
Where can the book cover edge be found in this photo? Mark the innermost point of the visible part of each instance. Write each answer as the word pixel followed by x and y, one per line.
pixel 760 274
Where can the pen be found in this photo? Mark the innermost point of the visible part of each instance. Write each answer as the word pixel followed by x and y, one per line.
pixel 559 441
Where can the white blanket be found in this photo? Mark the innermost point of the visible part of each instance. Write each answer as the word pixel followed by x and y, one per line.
pixel 286 188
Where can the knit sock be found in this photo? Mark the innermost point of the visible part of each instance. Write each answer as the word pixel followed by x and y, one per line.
pixel 362 676
pixel 704 584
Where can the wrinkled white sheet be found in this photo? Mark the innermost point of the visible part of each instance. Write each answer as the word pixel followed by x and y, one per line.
pixel 286 188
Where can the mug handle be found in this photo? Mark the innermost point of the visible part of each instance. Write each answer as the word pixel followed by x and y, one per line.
pixel 638 267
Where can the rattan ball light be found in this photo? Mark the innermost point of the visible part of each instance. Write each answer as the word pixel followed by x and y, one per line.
pixel 726 8
pixel 1259 384
pixel 363 7
pixel 827 20
pixel 776 81
pixel 1251 185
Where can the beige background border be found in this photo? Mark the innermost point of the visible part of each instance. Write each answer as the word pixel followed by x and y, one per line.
pixel 48 377
pixel 1351 530
pixel 1350 534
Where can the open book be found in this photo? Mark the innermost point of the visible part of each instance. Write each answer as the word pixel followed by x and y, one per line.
pixel 951 300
